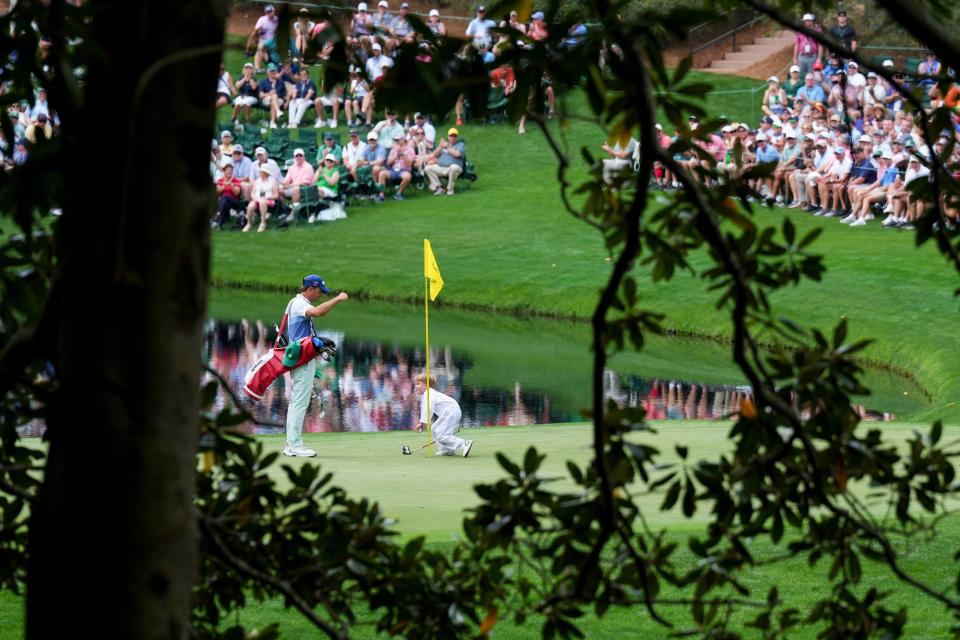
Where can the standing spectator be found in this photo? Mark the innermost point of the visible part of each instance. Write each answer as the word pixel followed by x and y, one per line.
pixel 806 50
pixel 479 28
pixel 843 32
pixel 449 163
pixel 225 87
pixel 300 174
pixel 265 36
pixel 271 92
pixel 301 98
pixel 246 93
pixel 377 65
pixel 436 27
pixel 263 198
pixel 399 167
pixel 514 23
pixel 228 195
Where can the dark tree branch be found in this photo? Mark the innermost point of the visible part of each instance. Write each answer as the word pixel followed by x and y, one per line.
pixel 284 587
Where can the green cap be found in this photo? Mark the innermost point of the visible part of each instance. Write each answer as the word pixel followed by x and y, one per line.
pixel 291 355
pixel 271 67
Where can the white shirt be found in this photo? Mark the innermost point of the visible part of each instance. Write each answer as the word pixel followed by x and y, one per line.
pixel 429 132
pixel 441 404
pixel 842 167
pixel 857 79
pixel 353 153
pixel 909 177
pixel 479 29
pixel 378 65
pixel 271 165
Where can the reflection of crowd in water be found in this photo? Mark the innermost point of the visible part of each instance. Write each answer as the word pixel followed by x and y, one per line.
pixel 369 386
pixel 673 400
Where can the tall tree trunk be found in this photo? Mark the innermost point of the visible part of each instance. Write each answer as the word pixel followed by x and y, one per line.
pixel 113 546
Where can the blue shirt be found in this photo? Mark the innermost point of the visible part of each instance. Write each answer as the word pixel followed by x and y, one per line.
pixel 864 169
pixel 298 324
pixel 371 154
pixel 811 94
pixel 770 154
pixel 889 176
pixel 266 86
pixel 302 88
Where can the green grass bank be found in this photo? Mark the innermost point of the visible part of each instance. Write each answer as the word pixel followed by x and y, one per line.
pixel 506 246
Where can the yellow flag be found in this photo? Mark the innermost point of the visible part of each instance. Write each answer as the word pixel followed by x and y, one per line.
pixel 431 271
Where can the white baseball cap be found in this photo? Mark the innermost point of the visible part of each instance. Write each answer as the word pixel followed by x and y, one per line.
pixel 761 137
pixel 362 6
pixel 773 79
pixel 434 12
pixel 888 63
pixel 839 150
pixel 330 156
pixel 791 134
pixel 376 47
pixel 372 136
pixel 795 68
pixel 809 16
pixel 298 152
pixel 726 129
pixel 383 3
pixel 259 150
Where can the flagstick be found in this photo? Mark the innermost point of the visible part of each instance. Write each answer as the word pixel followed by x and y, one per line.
pixel 426 308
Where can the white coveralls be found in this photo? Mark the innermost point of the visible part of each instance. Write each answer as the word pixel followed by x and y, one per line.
pixel 448 419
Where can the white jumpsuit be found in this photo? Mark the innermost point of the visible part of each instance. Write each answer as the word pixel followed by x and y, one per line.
pixel 448 419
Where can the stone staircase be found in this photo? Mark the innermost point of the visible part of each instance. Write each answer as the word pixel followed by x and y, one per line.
pixel 749 55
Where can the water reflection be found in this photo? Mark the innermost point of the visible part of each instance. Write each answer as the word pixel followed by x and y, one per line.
pixel 369 387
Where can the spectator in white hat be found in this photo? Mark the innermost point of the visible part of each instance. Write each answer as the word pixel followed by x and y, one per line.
pixel 247 93
pixel 806 50
pixel 792 83
pixel 774 101
pixel 854 76
pixel 381 19
pixel 435 25
pixel 361 25
pixel 300 174
pixel 263 198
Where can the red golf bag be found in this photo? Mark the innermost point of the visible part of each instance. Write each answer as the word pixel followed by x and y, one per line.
pixel 277 361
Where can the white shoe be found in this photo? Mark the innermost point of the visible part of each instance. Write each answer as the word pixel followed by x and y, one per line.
pixel 446 452
pixel 859 223
pixel 888 208
pixel 869 216
pixel 332 124
pixel 779 199
pixel 887 221
pixel 318 124
pixel 311 219
pixel 273 125
pixel 850 218
pixel 298 452
pixel 466 448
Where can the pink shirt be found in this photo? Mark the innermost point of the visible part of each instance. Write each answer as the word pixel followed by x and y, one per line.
pixel 806 46
pixel 302 174
pixel 267 26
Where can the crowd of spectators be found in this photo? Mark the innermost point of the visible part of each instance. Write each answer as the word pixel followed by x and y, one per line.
pixel 843 144
pixel 34 122
pixel 382 156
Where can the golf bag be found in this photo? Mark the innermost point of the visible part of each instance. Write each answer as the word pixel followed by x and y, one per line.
pixel 279 360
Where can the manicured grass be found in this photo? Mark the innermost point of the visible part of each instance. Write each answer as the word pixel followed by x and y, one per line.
pixel 507 246
pixel 428 496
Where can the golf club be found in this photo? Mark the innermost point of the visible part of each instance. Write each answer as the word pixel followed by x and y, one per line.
pixel 407 452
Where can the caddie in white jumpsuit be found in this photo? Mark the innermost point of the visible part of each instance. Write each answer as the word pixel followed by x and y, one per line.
pixel 444 427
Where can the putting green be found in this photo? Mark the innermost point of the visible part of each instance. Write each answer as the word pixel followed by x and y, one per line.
pixel 428 495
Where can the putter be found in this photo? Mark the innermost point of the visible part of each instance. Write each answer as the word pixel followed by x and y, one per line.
pixel 407 452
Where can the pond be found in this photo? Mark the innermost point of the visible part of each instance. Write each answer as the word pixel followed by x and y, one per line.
pixel 502 370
